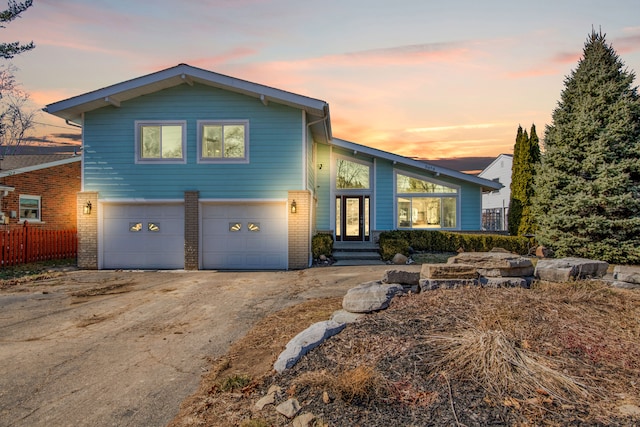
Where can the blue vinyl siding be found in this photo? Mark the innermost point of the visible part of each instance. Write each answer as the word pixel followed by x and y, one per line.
pixel 471 197
pixel 384 195
pixel 275 148
pixel 323 188
pixel 311 164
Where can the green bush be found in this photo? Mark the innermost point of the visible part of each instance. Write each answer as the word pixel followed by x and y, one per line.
pixel 448 241
pixel 322 244
pixel 390 247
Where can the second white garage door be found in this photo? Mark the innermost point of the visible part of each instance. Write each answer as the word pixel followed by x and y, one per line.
pixel 244 236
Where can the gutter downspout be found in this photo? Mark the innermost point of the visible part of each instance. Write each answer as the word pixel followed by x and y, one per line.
pixel 311 210
pixel 72 124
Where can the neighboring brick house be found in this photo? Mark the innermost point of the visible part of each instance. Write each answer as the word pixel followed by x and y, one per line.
pixel 40 189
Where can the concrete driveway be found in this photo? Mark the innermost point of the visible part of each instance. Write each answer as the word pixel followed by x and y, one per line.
pixel 108 348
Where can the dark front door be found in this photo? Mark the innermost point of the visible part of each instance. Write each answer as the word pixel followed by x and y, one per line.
pixel 352 218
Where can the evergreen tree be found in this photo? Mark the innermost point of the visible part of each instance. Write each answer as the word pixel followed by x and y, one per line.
pixel 9 50
pixel 528 163
pixel 588 187
pixel 515 199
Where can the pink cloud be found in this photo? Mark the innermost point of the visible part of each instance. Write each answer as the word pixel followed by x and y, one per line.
pixel 85 13
pixel 44 97
pixel 566 57
pixel 533 72
pixel 209 62
pixel 627 44
pixel 407 54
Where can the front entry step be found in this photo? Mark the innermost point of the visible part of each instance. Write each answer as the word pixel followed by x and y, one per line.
pixel 356 253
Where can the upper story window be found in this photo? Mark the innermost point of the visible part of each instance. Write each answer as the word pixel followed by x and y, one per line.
pixel 160 141
pixel 30 208
pixel 223 141
pixel 352 175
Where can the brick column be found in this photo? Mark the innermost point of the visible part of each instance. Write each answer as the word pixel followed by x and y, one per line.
pixel 191 230
pixel 299 231
pixel 87 230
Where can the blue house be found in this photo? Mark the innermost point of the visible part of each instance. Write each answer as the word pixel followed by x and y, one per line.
pixel 189 169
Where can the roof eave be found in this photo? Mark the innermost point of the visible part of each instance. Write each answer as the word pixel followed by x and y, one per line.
pixel 72 108
pixel 485 184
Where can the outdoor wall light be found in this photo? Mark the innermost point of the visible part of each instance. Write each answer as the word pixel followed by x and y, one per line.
pixel 294 207
pixel 87 208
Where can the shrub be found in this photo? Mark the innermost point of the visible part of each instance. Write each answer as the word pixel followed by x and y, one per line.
pixel 391 246
pixel 234 382
pixel 322 244
pixel 392 242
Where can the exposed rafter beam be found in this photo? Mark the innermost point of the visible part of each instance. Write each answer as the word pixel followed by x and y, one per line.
pixel 112 101
pixel 187 79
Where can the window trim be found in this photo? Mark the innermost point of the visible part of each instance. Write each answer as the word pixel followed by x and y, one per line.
pixel 223 160
pixel 441 196
pixel 138 124
pixel 22 219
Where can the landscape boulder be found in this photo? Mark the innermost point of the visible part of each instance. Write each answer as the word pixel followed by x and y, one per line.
pixel 370 296
pixel 399 259
pixel 543 252
pixel 305 341
pixel 571 268
pixel 402 277
pixel 289 408
pixel 432 284
pixel 344 316
pixel 448 271
pixel 627 273
pixel 504 282
pixel 495 264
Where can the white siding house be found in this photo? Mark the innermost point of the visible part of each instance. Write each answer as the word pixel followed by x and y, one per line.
pixel 495 204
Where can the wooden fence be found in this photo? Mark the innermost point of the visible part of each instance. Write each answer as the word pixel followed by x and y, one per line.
pixel 29 244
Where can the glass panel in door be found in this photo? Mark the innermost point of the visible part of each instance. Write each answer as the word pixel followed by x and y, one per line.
pixel 353 217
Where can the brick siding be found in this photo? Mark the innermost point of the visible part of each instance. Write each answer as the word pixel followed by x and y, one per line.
pixel 57 186
pixel 299 229
pixel 87 230
pixel 191 230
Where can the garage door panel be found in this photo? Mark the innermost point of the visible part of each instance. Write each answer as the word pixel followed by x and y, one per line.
pixel 264 248
pixel 143 249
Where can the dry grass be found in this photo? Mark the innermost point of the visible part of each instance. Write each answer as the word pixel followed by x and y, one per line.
pixel 500 366
pixel 361 384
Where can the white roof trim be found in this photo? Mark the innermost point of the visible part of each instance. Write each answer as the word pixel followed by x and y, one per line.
pixel 72 108
pixel 32 168
pixel 436 170
pixel 494 162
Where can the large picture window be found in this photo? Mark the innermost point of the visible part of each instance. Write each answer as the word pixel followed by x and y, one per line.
pixel 423 204
pixel 226 141
pixel 160 141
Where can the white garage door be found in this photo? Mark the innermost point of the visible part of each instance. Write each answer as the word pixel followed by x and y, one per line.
pixel 143 236
pixel 247 236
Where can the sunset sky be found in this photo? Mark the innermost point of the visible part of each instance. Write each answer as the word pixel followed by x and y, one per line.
pixel 423 78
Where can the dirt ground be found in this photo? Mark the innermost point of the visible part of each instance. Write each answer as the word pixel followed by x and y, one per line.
pixel 103 348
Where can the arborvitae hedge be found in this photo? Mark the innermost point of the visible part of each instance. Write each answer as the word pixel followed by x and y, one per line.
pixel 399 241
